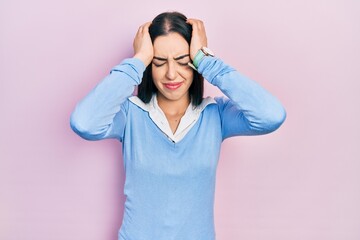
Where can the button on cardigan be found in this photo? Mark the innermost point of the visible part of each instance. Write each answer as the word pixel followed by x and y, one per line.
pixel 170 186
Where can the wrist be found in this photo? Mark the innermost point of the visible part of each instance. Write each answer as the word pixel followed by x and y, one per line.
pixel 193 54
pixel 145 59
pixel 201 53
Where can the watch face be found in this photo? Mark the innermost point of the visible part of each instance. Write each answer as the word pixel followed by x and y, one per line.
pixel 207 51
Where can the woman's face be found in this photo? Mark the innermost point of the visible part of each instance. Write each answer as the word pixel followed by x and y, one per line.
pixel 170 71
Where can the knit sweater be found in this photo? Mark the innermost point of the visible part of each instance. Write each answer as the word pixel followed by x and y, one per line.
pixel 170 186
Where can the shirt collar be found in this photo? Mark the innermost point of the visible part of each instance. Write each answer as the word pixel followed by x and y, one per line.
pixel 153 105
pixel 190 117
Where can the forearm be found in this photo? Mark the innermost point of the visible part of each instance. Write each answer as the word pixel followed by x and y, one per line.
pixel 93 117
pixel 260 110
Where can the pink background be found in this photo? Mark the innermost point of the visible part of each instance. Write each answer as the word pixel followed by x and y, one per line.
pixel 301 182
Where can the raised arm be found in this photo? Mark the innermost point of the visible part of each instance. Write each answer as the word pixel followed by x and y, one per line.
pixel 102 113
pixel 249 108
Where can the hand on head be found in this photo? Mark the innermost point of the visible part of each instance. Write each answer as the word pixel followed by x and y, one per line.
pixel 143 47
pixel 198 39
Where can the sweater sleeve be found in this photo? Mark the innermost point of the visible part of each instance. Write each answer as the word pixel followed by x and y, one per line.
pixel 249 109
pixel 102 112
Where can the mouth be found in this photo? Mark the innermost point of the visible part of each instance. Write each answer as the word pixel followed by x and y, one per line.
pixel 173 86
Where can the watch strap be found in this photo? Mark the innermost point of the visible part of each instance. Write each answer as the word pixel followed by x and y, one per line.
pixel 199 55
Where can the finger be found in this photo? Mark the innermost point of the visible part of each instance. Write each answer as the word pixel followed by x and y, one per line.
pixel 146 26
pixel 190 21
pixel 201 25
pixel 194 21
pixel 197 24
pixel 140 30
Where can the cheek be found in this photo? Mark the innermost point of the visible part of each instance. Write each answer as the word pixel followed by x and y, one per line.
pixel 156 73
pixel 187 74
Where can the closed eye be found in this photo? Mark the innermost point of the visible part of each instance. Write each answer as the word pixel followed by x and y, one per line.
pixel 183 63
pixel 182 60
pixel 159 65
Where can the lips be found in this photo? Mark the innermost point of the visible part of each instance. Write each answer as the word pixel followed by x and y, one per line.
pixel 173 86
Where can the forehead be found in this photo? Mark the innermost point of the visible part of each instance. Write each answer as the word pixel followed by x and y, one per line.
pixel 170 45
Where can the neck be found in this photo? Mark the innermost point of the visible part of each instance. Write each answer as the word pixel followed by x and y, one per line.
pixel 170 107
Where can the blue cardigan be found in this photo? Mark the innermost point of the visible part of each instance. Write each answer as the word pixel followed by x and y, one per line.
pixel 169 186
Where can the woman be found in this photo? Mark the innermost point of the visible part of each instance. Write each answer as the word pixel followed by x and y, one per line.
pixel 170 135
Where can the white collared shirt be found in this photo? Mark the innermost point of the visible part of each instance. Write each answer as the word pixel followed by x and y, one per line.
pixel 189 119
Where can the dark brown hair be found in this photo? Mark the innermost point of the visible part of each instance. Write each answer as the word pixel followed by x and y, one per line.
pixel 164 24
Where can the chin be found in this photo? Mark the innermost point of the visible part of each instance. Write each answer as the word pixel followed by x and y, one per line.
pixel 172 96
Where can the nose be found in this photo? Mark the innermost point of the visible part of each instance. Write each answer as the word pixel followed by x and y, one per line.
pixel 171 71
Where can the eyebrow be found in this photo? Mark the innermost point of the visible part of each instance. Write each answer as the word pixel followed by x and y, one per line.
pixel 177 58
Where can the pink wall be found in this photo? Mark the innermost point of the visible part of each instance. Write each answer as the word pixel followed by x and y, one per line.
pixel 301 182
